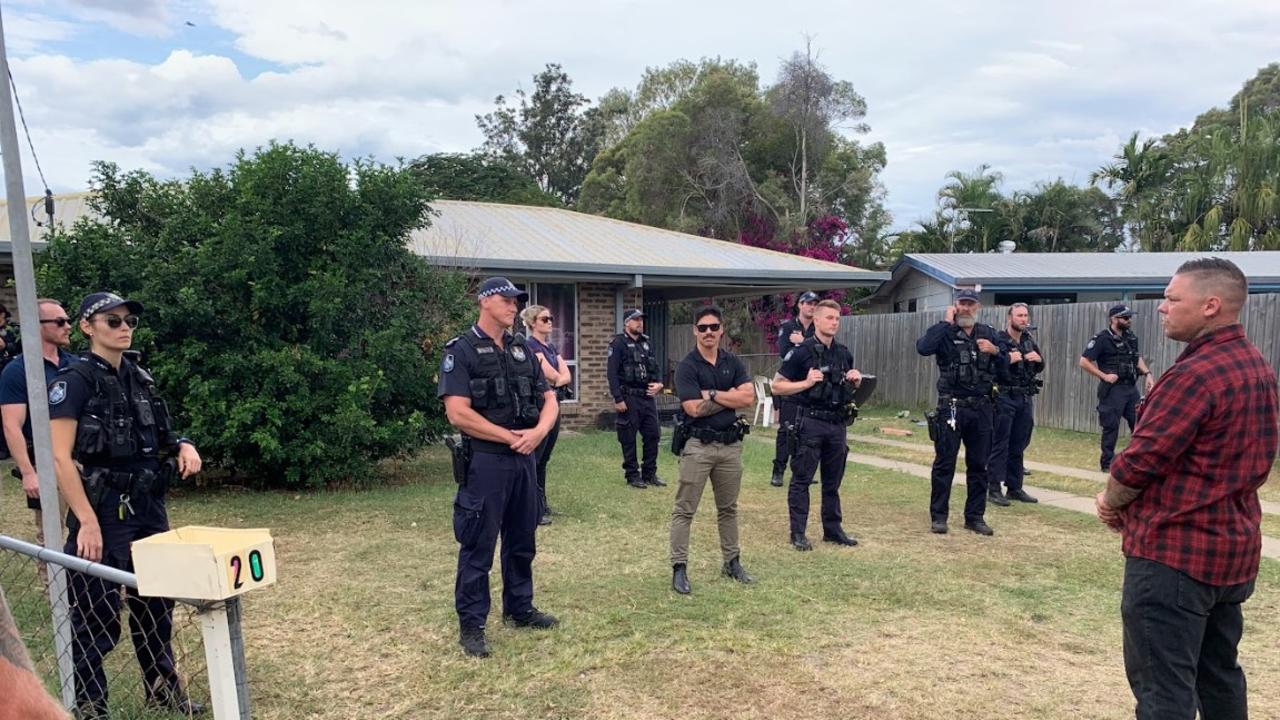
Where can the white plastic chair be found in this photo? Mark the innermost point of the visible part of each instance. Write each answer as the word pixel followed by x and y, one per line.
pixel 764 402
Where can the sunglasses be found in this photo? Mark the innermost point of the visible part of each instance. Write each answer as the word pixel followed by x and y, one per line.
pixel 115 321
pixel 708 327
pixel 544 318
pixel 60 322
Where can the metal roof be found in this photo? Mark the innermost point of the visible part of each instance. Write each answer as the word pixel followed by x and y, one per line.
pixel 525 239
pixel 1029 271
pixel 67 208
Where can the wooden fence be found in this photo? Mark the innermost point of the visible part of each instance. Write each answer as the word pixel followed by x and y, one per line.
pixel 885 345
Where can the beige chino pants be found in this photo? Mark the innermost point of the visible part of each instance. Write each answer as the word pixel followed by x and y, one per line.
pixel 722 464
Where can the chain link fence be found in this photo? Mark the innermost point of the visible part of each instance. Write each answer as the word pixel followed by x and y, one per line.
pixel 127 656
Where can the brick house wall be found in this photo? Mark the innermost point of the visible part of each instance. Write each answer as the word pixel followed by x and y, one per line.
pixel 597 320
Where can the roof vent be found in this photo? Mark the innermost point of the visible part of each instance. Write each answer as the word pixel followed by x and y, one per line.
pixel 1007 247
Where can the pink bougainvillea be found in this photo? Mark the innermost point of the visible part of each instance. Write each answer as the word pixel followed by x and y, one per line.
pixel 821 240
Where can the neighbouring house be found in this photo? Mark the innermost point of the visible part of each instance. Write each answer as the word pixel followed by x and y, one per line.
pixel 587 269
pixel 927 281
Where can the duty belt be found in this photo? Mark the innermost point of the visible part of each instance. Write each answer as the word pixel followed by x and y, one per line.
pixel 490 447
pixel 728 437
pixel 973 401
pixel 831 416
pixel 628 390
pixel 1014 390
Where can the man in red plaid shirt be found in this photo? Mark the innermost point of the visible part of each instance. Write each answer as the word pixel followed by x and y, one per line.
pixel 1184 496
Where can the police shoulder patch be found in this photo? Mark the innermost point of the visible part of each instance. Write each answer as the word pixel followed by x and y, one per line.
pixel 610 351
pixel 518 353
pixel 447 365
pixel 788 355
pixel 1091 344
pixel 57 392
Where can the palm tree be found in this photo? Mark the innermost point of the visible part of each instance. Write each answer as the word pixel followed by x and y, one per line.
pixel 1140 171
pixel 961 196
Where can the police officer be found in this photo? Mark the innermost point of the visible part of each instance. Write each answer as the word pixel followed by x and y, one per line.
pixel 496 395
pixel 1112 356
pixel 969 361
pixel 820 377
pixel 1015 413
pixel 712 385
pixel 115 453
pixel 790 335
pixel 633 383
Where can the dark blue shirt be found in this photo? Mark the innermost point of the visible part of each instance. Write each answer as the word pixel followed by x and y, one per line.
pixel 784 335
pixel 460 360
pixel 940 341
pixel 546 350
pixel 694 374
pixel 13 382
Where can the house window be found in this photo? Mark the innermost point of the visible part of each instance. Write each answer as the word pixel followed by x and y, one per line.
pixel 911 305
pixel 897 306
pixel 1148 296
pixel 561 300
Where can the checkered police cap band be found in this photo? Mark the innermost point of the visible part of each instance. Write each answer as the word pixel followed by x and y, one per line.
pixel 498 290
pixel 103 302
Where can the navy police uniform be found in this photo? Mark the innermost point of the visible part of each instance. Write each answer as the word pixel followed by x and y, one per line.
pixel 631 367
pixel 1116 354
pixel 822 414
pixel 123 436
pixel 1015 413
pixel 786 405
pixel 500 496
pixel 965 379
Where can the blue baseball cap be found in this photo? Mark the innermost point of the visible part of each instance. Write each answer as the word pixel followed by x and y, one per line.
pixel 1120 311
pixel 632 314
pixel 968 294
pixel 808 296
pixel 95 303
pixel 500 286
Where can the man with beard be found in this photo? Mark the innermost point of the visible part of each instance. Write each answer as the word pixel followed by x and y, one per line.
pixel 969 362
pixel 1112 356
pixel 792 333
pixel 1014 418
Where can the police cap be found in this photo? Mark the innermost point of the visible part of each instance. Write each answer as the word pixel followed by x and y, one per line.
pixel 500 286
pixel 632 314
pixel 808 296
pixel 1120 311
pixel 968 294
pixel 95 303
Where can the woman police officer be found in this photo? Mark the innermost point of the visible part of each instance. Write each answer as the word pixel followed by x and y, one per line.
pixel 115 453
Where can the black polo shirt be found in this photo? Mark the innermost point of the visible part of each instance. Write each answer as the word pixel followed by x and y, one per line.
pixel 694 374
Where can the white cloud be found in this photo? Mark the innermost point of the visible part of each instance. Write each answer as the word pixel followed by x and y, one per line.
pixel 1038 90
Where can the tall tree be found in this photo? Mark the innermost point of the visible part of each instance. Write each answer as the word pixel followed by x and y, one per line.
pixel 550 134
pixel 968 204
pixel 454 176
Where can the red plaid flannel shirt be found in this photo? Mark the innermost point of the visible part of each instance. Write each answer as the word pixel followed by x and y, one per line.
pixel 1204 444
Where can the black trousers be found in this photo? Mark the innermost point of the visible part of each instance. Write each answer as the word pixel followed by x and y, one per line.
pixel 787 410
pixel 499 498
pixel 96 603
pixel 544 455
pixel 823 446
pixel 1180 640
pixel 1014 420
pixel 1115 401
pixel 641 416
pixel 973 428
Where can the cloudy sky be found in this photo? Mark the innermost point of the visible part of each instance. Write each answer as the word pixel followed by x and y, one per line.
pixel 1039 89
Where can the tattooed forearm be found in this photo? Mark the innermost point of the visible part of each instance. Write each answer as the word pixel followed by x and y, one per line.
pixel 11 647
pixel 708 407
pixel 1119 494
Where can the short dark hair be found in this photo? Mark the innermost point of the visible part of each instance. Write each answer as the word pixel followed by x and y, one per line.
pixel 708 310
pixel 1223 273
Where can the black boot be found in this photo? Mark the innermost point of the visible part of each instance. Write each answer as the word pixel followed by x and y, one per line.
pixel 839 537
pixel 172 697
pixel 1021 496
pixel 637 483
pixel 980 527
pixel 535 619
pixel 680 579
pixel 656 481
pixel 777 479
pixel 733 569
pixel 473 642
pixel 800 542
pixel 995 497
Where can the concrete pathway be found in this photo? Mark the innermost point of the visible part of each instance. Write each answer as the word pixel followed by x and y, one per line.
pixel 1051 498
pixel 1268 507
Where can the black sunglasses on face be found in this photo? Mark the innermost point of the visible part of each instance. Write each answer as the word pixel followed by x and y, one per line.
pixel 114 321
pixel 544 318
pixel 60 322
pixel 708 327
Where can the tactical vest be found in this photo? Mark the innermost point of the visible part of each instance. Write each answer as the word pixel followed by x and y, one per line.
pixel 110 430
pixel 833 392
pixel 971 370
pixel 639 366
pixel 1124 361
pixel 1021 374
pixel 504 382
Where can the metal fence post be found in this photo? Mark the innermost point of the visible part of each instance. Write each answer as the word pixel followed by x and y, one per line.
pixel 224 656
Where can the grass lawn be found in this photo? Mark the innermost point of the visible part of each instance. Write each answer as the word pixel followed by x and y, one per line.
pixel 907 625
